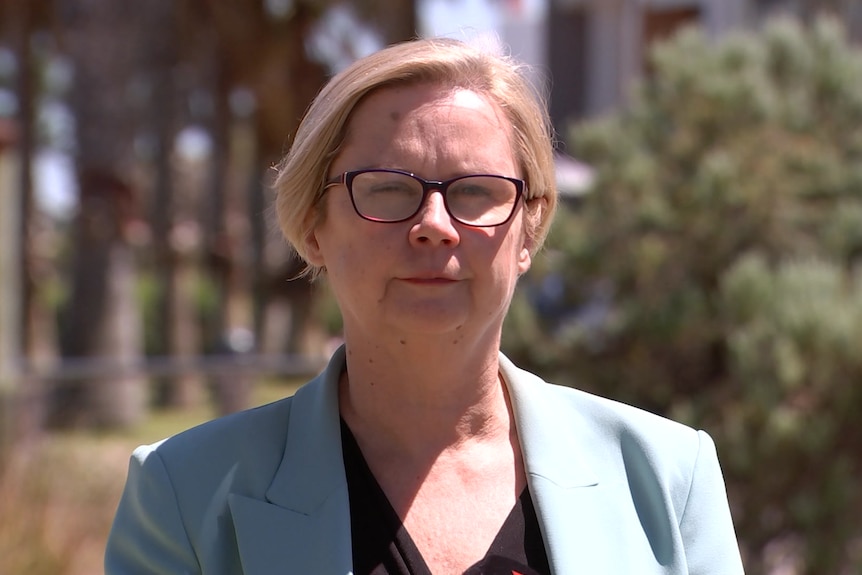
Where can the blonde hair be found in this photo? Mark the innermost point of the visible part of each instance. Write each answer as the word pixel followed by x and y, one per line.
pixel 301 175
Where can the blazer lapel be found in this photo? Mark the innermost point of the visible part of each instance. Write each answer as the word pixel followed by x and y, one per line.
pixel 277 541
pixel 304 524
pixel 570 502
pixel 586 504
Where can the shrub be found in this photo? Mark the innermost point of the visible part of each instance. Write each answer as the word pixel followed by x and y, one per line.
pixel 713 275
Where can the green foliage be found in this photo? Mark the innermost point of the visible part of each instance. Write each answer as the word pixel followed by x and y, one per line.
pixel 715 275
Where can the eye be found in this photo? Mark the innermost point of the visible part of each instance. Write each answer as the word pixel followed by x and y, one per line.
pixel 391 186
pixel 386 184
pixel 468 190
pixel 480 189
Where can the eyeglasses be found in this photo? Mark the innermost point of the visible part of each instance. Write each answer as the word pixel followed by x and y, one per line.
pixel 391 196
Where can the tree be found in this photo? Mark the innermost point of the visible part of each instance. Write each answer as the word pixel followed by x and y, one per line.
pixel 33 332
pixel 715 275
pixel 263 51
pixel 130 84
pixel 102 318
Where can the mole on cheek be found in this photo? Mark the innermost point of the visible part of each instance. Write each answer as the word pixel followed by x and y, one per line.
pixel 394 116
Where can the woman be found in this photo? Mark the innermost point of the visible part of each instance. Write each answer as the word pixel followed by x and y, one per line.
pixel 421 184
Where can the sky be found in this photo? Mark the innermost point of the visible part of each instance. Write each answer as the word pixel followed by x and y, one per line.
pixel 468 18
pixel 457 18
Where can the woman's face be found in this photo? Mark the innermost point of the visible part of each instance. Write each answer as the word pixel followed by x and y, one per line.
pixel 430 274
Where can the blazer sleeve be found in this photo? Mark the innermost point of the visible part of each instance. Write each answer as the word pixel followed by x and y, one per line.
pixel 148 535
pixel 706 526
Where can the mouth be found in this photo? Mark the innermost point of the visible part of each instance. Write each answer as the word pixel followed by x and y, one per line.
pixel 429 280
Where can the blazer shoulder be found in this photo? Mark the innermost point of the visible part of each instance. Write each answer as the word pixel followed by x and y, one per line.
pixel 603 431
pixel 643 442
pixel 601 413
pixel 640 473
pixel 620 418
pixel 246 446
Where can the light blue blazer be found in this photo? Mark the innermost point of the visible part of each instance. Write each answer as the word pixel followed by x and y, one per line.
pixel 263 492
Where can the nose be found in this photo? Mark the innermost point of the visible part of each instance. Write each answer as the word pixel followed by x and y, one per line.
pixel 433 224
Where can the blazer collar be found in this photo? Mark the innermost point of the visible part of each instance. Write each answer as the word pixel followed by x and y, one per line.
pixel 554 442
pixel 312 467
pixel 552 437
pixel 304 524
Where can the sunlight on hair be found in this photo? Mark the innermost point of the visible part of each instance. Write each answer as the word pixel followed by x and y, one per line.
pixel 487 41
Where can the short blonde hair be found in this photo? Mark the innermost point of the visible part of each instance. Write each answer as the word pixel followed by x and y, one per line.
pixel 299 185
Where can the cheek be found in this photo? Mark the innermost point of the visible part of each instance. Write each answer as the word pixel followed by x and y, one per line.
pixel 507 260
pixel 517 246
pixel 354 258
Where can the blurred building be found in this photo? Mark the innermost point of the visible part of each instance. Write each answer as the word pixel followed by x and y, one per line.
pixel 589 51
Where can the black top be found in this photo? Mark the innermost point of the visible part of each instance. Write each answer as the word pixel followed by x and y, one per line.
pixel 382 545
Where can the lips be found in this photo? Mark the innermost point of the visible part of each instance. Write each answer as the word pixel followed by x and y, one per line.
pixel 429 280
pixel 431 273
pixel 431 277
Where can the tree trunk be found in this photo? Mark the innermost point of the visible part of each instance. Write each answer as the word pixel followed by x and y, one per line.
pixel 102 316
pixel 30 327
pixel 173 336
pixel 10 287
pixel 281 105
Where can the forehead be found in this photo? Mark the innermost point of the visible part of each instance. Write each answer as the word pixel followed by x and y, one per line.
pixel 392 103
pixel 428 120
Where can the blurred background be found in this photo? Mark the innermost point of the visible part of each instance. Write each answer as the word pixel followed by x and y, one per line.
pixel 706 263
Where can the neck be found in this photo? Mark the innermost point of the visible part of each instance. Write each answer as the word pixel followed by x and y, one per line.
pixel 418 399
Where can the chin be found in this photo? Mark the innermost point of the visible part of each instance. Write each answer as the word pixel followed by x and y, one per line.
pixel 430 319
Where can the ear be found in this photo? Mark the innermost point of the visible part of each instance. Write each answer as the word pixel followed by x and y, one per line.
pixel 313 252
pixel 525 260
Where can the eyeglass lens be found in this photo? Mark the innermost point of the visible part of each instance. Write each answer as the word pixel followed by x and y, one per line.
pixel 473 200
